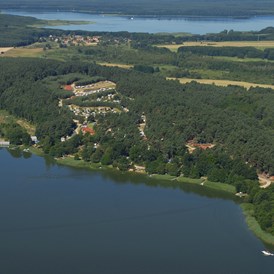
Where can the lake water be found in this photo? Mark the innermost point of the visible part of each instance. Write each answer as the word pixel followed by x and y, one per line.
pixel 57 219
pixel 152 25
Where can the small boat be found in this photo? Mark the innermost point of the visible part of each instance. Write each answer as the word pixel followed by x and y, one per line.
pixel 267 253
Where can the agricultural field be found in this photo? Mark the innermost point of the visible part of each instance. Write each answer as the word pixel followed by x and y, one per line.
pixel 24 52
pixel 256 44
pixel 223 83
pixel 4 50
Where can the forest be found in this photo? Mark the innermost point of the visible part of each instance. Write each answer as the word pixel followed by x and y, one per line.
pixel 236 122
pixel 241 8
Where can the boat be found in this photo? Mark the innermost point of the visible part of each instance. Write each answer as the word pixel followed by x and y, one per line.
pixel 267 253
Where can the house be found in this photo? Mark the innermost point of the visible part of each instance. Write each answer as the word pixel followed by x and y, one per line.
pixel 4 143
pixel 68 88
pixel 88 130
pixel 34 139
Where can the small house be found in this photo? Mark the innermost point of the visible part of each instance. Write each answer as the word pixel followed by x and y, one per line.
pixel 34 139
pixel 4 143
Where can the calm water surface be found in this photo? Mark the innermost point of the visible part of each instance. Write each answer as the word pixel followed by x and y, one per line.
pixel 152 25
pixel 56 219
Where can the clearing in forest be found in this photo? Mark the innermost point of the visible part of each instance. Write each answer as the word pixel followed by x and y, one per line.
pixel 24 52
pixel 255 44
pixel 4 50
pixel 223 83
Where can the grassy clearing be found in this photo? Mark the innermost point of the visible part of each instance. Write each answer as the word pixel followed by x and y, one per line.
pixel 4 50
pixel 24 52
pixel 3 113
pixel 69 161
pixel 103 84
pixel 163 177
pixel 248 210
pixel 26 125
pixel 200 182
pixel 182 179
pixel 208 184
pixel 220 186
pixel 36 151
pixel 223 83
pixel 257 44
pixel 6 118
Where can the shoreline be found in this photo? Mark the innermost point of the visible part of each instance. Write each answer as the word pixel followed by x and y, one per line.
pixel 247 208
pixel 253 225
pixel 68 161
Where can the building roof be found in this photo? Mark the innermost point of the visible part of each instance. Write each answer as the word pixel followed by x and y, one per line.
pixel 68 87
pixel 88 130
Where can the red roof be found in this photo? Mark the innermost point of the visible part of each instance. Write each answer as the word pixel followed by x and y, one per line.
pixel 88 130
pixel 199 145
pixel 68 87
pixel 203 146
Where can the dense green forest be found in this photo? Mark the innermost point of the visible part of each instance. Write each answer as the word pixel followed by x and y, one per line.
pixel 239 123
pixel 151 7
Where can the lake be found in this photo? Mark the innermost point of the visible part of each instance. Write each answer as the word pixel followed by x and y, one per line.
pixel 56 219
pixel 152 25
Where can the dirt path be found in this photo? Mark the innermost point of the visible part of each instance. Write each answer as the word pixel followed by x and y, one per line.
pixel 264 181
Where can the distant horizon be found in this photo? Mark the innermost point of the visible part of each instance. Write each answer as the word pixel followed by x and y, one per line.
pixel 205 8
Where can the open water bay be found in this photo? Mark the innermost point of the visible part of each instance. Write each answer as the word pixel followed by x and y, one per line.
pixel 196 25
pixel 56 219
